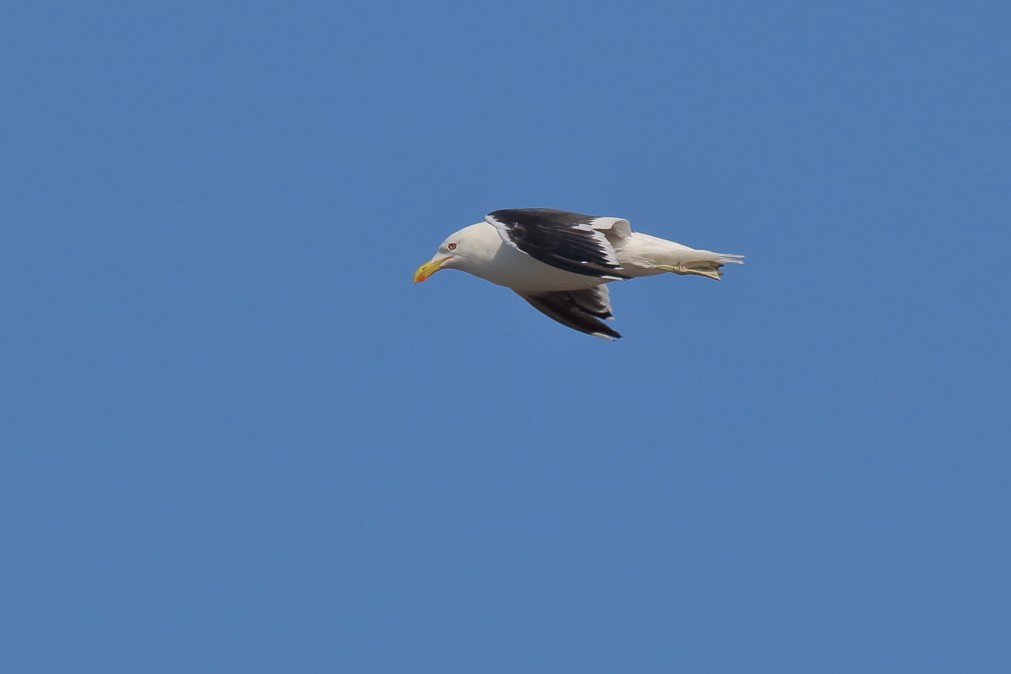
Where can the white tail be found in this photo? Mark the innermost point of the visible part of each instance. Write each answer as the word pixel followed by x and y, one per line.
pixel 645 255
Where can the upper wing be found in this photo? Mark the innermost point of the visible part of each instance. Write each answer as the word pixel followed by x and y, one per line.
pixel 570 241
pixel 578 309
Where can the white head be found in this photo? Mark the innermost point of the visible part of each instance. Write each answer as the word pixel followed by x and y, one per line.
pixel 462 250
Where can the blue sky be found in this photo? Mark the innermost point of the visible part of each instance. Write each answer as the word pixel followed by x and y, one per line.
pixel 236 438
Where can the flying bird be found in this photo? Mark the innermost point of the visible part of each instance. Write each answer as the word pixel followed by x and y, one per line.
pixel 561 262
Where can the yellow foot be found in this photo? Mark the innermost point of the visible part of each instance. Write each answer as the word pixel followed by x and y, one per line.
pixel 707 269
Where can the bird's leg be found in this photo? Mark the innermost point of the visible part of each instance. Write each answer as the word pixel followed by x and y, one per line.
pixel 702 268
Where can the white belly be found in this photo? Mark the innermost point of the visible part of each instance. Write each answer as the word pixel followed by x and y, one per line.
pixel 513 269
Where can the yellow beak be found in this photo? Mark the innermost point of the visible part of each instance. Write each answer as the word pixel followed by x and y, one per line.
pixel 429 268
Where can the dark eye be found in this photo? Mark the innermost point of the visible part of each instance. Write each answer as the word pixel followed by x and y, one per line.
pixel 452 246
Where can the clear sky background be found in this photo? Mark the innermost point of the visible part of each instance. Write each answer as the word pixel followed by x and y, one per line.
pixel 235 438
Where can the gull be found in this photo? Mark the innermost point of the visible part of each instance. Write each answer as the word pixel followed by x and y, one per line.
pixel 561 262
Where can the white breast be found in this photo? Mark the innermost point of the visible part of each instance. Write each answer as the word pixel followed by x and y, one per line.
pixel 503 265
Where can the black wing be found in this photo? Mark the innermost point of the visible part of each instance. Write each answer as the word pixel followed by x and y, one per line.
pixel 559 238
pixel 577 309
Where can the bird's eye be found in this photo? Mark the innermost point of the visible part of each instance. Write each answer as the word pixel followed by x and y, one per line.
pixel 452 246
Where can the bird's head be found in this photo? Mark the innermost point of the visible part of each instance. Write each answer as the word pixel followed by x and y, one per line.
pixel 458 251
